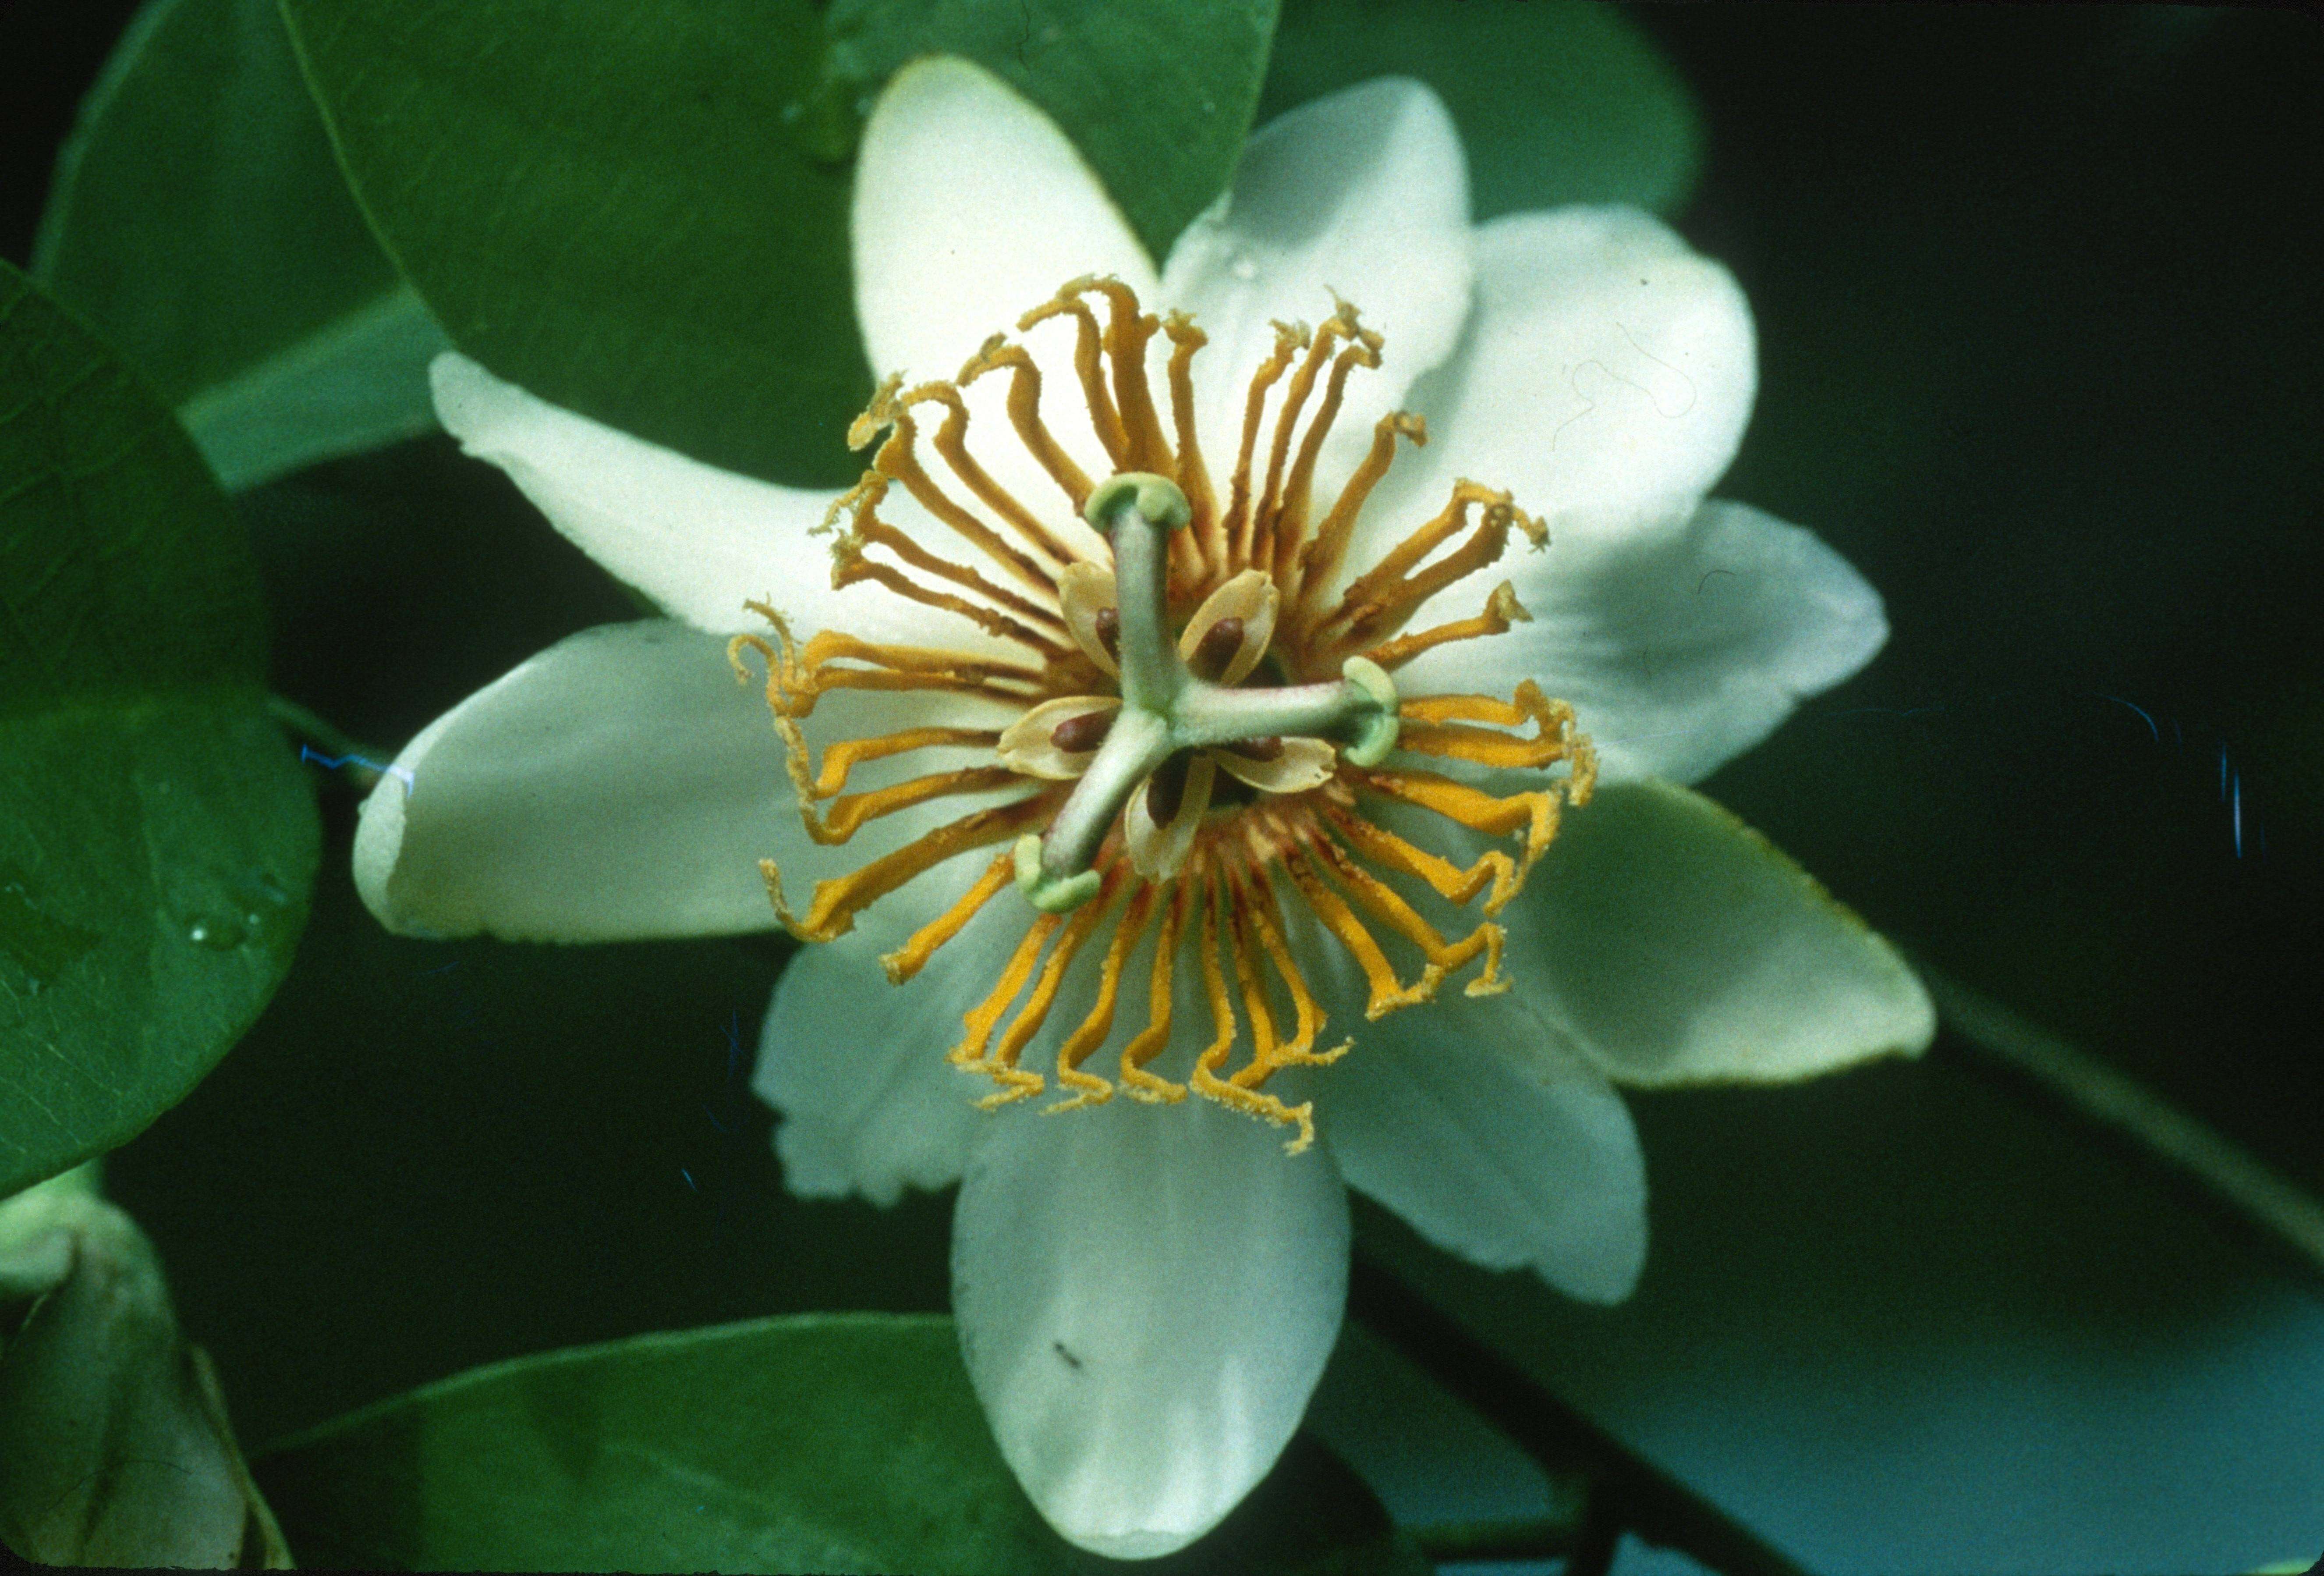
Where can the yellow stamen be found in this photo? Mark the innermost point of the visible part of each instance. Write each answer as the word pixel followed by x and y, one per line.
pixel 952 446
pixel 1537 812
pixel 1257 903
pixel 1377 603
pixel 1319 562
pixel 1289 525
pixel 1493 867
pixel 897 460
pixel 1203 545
pixel 980 1020
pixel 913 956
pixel 1035 1010
pixel 1154 1038
pixel 1390 909
pixel 1437 725
pixel 1089 366
pixel 1089 1089
pixel 1278 450
pixel 1024 406
pixel 1290 338
pixel 842 758
pixel 1502 609
pixel 831 913
pixel 1205 1080
pixel 1128 332
pixel 1388 992
pixel 850 811
pixel 867 530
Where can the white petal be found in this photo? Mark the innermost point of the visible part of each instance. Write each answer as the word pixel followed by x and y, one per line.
pixel 1676 945
pixel 620 784
pixel 1680 647
pixel 1481 1126
pixel 1146 1298
pixel 699 541
pixel 1364 192
pixel 1606 369
pixel 971 207
pixel 857 1065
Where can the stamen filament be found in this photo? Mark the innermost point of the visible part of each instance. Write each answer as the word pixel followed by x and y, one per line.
pixel 848 813
pixel 1154 1038
pixel 913 956
pixel 1389 906
pixel 1024 407
pixel 952 444
pixel 831 913
pixel 1206 546
pixel 1319 562
pixel 1089 344
pixel 1502 609
pixel 1387 992
pixel 842 758
pixel 1089 1089
pixel 1035 1010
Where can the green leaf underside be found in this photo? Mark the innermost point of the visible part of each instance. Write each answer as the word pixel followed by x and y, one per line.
pixel 1557 101
pixel 638 208
pixel 826 1442
pixel 200 223
pixel 157 841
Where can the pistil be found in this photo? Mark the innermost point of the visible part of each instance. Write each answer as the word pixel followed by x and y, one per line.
pixel 1167 707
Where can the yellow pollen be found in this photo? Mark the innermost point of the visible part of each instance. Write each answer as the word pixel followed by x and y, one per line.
pixel 1289 851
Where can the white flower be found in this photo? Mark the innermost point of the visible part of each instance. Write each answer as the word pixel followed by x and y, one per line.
pixel 1147 1288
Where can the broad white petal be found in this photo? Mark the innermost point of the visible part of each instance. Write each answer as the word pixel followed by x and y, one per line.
pixel 1607 368
pixel 699 541
pixel 856 1065
pixel 971 207
pixel 1146 1298
pixel 1483 1128
pixel 1680 645
pixel 1364 192
pixel 619 786
pixel 1676 945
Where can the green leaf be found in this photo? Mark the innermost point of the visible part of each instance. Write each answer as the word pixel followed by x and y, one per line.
pixel 157 841
pixel 638 208
pixel 826 1442
pixel 198 220
pixel 1557 100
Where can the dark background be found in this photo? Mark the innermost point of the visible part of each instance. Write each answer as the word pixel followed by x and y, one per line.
pixel 2040 318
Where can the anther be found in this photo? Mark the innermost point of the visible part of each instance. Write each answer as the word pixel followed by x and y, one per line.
pixel 1167 789
pixel 1079 734
pixel 1220 645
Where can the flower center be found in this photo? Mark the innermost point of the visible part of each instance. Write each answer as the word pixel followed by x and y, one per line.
pixel 1169 710
pixel 1203 709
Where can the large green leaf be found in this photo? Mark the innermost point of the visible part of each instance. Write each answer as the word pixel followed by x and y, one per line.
pixel 638 208
pixel 1557 100
pixel 841 1443
pixel 200 221
pixel 156 839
